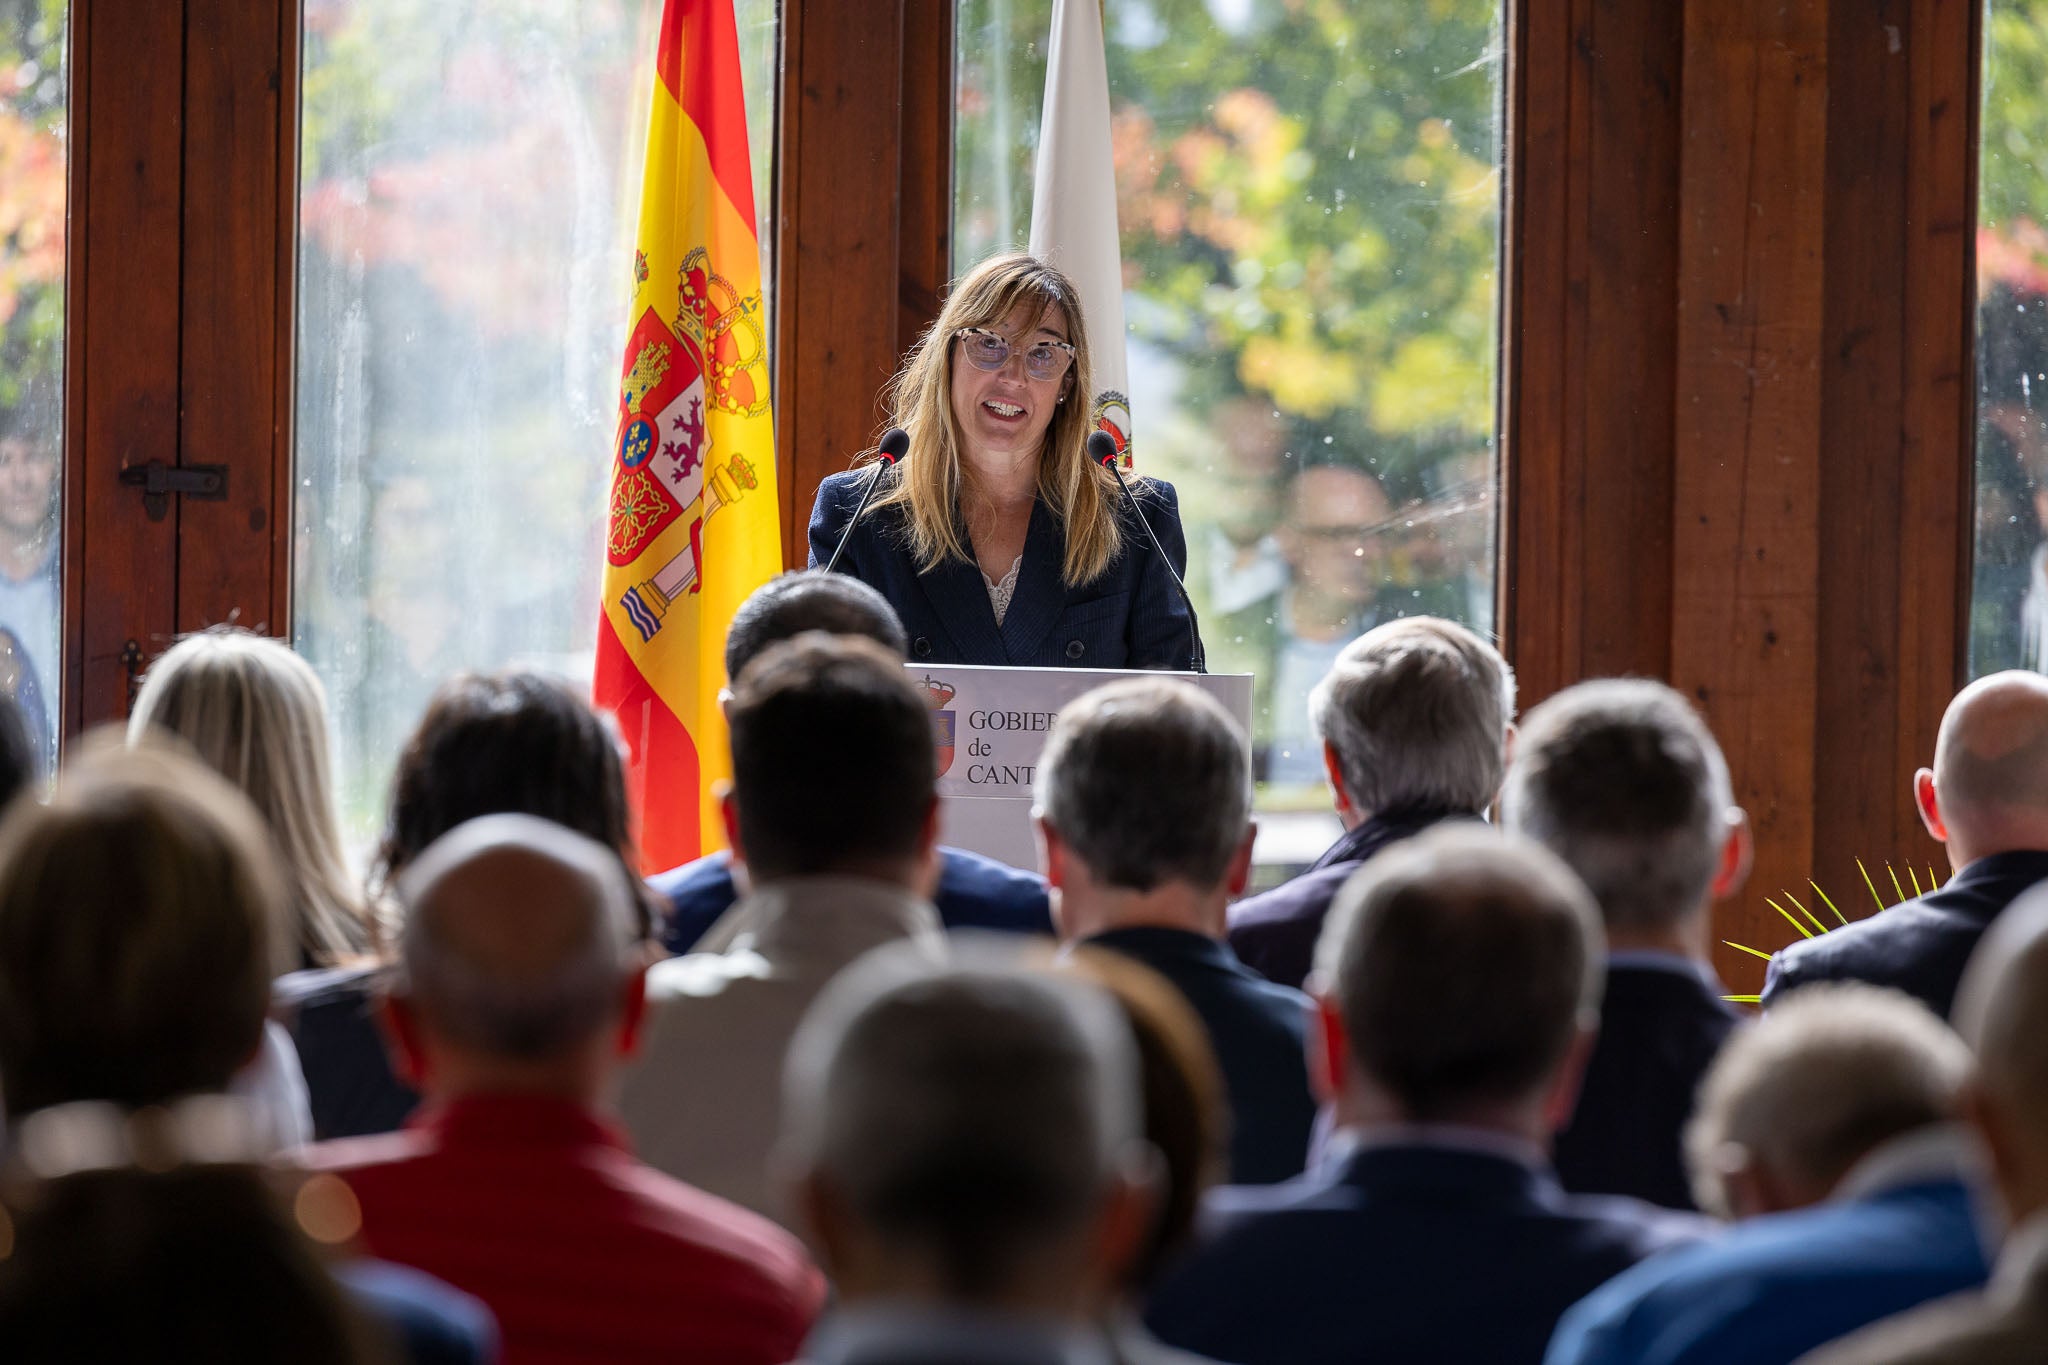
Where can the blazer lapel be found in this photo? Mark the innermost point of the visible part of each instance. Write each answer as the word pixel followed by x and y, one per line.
pixel 960 598
pixel 1041 595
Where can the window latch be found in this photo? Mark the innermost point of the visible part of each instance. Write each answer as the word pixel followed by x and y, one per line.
pixel 158 481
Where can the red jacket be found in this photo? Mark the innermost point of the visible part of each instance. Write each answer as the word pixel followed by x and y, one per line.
pixel 536 1207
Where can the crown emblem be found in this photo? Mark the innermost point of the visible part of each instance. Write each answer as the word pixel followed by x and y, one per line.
pixel 936 693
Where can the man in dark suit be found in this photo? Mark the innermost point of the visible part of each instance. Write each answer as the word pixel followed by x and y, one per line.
pixel 1414 720
pixel 1144 810
pixel 1622 780
pixel 1459 986
pixel 967 1154
pixel 1829 1130
pixel 1986 798
pixel 973 892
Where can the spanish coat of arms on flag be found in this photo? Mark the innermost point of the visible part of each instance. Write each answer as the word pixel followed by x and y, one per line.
pixel 693 524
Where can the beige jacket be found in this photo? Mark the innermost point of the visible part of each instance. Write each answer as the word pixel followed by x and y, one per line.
pixel 703 1099
pixel 2005 1323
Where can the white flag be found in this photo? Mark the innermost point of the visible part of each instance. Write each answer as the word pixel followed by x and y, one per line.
pixel 1073 202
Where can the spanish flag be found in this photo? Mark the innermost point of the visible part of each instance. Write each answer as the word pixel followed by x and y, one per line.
pixel 693 523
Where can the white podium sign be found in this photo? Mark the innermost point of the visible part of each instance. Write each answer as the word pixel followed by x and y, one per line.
pixel 990 724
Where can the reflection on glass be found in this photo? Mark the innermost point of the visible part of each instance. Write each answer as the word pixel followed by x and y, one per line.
pixel 2009 605
pixel 1309 200
pixel 469 196
pixel 32 152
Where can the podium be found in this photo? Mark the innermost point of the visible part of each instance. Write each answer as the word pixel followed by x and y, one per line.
pixel 991 723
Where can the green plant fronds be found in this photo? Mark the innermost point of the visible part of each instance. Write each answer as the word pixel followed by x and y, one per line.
pixel 1804 932
pixel 1869 883
pixel 1745 948
pixel 1931 883
pixel 1825 901
pixel 1895 881
pixel 1912 874
pixel 1743 999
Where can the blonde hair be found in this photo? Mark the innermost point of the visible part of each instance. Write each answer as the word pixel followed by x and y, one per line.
pixel 255 712
pixel 927 487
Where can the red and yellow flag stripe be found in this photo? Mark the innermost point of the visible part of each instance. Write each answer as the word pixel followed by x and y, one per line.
pixel 693 526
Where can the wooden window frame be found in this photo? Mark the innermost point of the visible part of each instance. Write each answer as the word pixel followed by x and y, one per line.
pixel 1656 338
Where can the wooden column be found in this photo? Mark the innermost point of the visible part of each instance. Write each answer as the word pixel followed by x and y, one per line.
pixel 1739 309
pixel 1590 301
pixel 864 217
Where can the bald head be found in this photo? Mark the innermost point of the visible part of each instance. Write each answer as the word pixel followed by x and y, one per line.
pixel 1991 762
pixel 516 939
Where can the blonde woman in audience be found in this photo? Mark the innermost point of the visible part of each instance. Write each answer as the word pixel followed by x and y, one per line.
pixel 255 713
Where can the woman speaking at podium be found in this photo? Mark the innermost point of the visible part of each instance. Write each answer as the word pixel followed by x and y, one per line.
pixel 998 537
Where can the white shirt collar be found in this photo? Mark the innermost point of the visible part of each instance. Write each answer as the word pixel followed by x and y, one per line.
pixel 1940 1151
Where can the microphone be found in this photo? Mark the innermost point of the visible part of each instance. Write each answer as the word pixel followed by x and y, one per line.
pixel 894 442
pixel 1102 449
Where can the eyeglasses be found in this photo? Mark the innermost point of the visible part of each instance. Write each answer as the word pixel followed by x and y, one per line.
pixel 988 350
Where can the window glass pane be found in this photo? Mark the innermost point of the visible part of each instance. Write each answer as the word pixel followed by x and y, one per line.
pixel 32 171
pixel 469 197
pixel 2009 605
pixel 1309 200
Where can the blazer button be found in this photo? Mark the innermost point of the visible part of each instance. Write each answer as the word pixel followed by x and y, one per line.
pixel 921 647
pixel 1075 649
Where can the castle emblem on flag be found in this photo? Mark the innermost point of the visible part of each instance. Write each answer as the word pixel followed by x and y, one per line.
pixel 1113 415
pixel 939 696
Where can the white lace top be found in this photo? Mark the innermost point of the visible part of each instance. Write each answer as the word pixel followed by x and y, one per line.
pixel 999 594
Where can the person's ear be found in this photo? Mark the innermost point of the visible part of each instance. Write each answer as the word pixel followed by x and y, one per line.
pixel 1052 853
pixel 1329 1055
pixel 1738 852
pixel 1928 800
pixel 632 1010
pixel 929 860
pixel 1130 1204
pixel 398 1024
pixel 1563 1096
pixel 727 797
pixel 1334 766
pixel 1238 874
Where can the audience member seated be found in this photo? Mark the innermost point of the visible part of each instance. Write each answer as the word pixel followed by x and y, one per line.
pixel 255 713
pixel 840 858
pixel 1144 811
pixel 137 1216
pixel 1186 1121
pixel 1414 718
pixel 1987 799
pixel 974 892
pixel 1458 987
pixel 2002 1012
pixel 1622 780
pixel 967 1153
pixel 1830 1129
pixel 488 744
pixel 519 987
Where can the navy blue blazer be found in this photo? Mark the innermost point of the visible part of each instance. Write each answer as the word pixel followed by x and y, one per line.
pixel 1401 1253
pixel 1660 1029
pixel 974 893
pixel 1919 946
pixel 432 1323
pixel 1256 1030
pixel 331 1013
pixel 1770 1290
pixel 1130 617
pixel 1274 933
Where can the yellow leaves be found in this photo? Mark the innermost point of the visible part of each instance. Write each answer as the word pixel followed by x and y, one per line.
pixel 1302 374
pixel 1430 383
